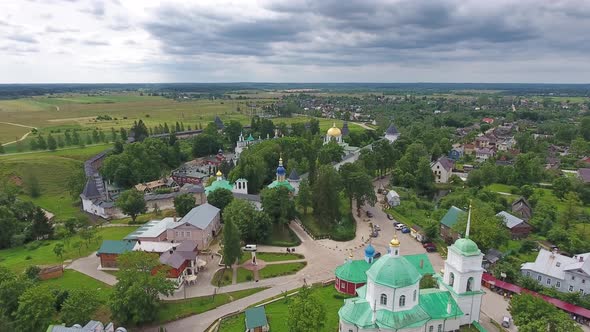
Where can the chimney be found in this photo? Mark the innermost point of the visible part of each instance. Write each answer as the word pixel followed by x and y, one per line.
pixel 138 241
pixel 174 216
pixel 421 264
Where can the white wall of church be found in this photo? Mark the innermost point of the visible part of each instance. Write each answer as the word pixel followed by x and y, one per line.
pixel 470 305
pixel 374 292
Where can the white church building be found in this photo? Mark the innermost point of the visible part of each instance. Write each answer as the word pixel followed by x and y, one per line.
pixel 392 299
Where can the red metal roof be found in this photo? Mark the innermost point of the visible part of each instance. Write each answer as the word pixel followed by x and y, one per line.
pixel 574 309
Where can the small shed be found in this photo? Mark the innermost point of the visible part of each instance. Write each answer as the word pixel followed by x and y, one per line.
pixel 256 320
pixel 417 233
pixel 393 198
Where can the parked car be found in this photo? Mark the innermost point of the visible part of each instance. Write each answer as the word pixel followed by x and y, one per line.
pixel 395 223
pixel 400 226
pixel 374 234
pixel 427 244
pixel 376 228
pixel 249 247
pixel 405 230
pixel 389 216
pixel 377 255
pixel 430 247
pixel 506 321
pixel 369 214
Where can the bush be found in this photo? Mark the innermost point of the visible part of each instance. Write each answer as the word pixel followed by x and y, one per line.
pixel 249 277
pixel 32 272
pixel 28 258
pixel 33 245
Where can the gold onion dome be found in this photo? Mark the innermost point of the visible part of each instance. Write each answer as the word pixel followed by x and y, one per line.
pixel 394 242
pixel 334 131
pixel 219 173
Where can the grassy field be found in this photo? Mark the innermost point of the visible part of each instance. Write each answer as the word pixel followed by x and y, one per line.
pixel 345 232
pixel 271 257
pixel 52 170
pixel 75 280
pixel 244 275
pixel 11 133
pixel 225 275
pixel 277 270
pixel 20 258
pixel 283 237
pixel 173 310
pixel 278 313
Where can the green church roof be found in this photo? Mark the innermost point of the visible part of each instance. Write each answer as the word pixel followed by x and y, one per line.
pixel 394 272
pixel 286 184
pixel 421 263
pixel 354 271
pixel 435 301
pixel 452 216
pixel 217 184
pixel 250 138
pixel 466 247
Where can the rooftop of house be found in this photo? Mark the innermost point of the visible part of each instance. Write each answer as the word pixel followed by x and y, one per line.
pixel 153 246
pixel 452 216
pixel 446 163
pixel 554 264
pixel 392 130
pixel 509 220
pixel 584 174
pixel 255 317
pixel 200 216
pixel 187 250
pixel 151 229
pixel 115 246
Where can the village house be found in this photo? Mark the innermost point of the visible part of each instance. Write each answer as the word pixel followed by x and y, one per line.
pixel 584 175
pixel 456 152
pixel 469 149
pixel 447 223
pixel 522 208
pixel 201 225
pixel 484 154
pixel 91 326
pixel 149 187
pixel 442 169
pixel 565 274
pixel 393 198
pixel 182 262
pixel 256 320
pixel 518 228
pixel 110 250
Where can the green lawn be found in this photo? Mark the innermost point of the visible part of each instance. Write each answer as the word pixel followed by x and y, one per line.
pixel 143 218
pixel 75 280
pixel 277 270
pixel 173 310
pixel 283 237
pixel 244 275
pixel 498 187
pixel 19 258
pixel 271 256
pixel 278 313
pixel 225 275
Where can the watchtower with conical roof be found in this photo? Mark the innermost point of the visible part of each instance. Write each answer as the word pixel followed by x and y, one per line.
pixel 462 275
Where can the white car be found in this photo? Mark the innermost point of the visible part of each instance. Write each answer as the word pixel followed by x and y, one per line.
pixel 249 247
pixel 399 227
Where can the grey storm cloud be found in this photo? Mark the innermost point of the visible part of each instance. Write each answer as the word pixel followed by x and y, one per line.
pixel 333 32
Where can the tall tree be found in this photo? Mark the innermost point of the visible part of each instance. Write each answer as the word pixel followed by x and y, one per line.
pixel 139 130
pixel 357 185
pixel 220 198
pixel 184 203
pixel 278 204
pixel 231 243
pixel 232 131
pixel 123 134
pixel 532 314
pixel 487 230
pixel 79 306
pixel 331 152
pixel 304 195
pixel 51 143
pixel 75 182
pixel 35 309
pixel 306 312
pixel 141 282
pixel 326 197
pixel 132 203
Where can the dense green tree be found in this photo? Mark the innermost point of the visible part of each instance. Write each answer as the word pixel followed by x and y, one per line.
pixel 571 211
pixel 533 314
pixel 8 226
pixel 58 250
pixel 314 126
pixel 32 186
pixel 41 143
pixel 424 179
pixel 232 131
pixel 431 229
pixel 95 136
pixel 306 312
pixel 11 288
pixel 75 182
pixel 79 306
pixel 60 142
pixel 304 196
pixel 330 153
pixel 278 204
pixel 123 134
pixel 35 309
pixel 40 227
pixel 231 240
pixel 526 191
pixel 136 296
pixel 325 194
pixel 252 226
pixel 220 198
pixel 88 139
pixel 67 137
pixel 113 135
pixel 76 138
pixel 51 143
pixel 251 167
pixel 205 144
pixel 487 230
pixel 561 186
pixel 132 203
pixel 527 169
pixel 139 131
pixel 357 185
pixel 585 128
pixel 183 203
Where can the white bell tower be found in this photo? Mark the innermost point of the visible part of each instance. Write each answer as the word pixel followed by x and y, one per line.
pixel 462 276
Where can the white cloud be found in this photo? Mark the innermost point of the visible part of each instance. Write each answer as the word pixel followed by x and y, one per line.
pixel 294 41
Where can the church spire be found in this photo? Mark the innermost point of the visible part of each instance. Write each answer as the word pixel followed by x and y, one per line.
pixel 468 222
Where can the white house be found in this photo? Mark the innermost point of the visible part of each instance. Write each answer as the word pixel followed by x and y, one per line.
pixel 442 169
pixel 391 134
pixel 393 198
pixel 565 274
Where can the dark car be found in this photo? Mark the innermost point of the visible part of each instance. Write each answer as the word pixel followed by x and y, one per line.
pixel 374 234
pixel 430 247
pixel 377 255
pixel 427 244
pixel 389 216
pixel 369 214
pixel 405 230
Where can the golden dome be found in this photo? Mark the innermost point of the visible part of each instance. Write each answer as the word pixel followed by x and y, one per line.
pixel 394 242
pixel 334 131
pixel 219 173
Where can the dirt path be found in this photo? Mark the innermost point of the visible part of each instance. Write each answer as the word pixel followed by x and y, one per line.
pixel 18 125
pixel 360 124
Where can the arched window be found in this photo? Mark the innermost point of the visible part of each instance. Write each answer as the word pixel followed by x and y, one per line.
pixel 402 301
pixel 383 300
pixel 439 328
pixel 469 284
pixel 431 328
pixel 451 279
pixel 414 295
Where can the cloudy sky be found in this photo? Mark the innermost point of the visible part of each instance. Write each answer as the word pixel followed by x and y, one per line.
pixel 294 41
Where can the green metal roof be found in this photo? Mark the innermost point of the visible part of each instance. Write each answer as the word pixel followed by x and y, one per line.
pixel 217 184
pixel 466 247
pixel 255 317
pixel 357 311
pixel 115 247
pixel 354 271
pixel 435 302
pixel 250 138
pixel 286 184
pixel 402 319
pixel 421 259
pixel 452 216
pixel 394 272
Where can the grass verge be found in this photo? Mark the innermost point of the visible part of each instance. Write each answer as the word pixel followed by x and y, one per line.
pixel 277 270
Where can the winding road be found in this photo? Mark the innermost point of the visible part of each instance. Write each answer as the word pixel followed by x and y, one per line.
pixel 18 125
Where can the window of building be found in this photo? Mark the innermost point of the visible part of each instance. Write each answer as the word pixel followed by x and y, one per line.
pixel 431 328
pixel 528 274
pixel 558 264
pixel 582 290
pixel 414 295
pixel 451 279
pixel 469 284
pixel 383 300
pixel 571 288
pixel 573 278
pixel 439 329
pixel 548 281
pixel 539 278
pixel 558 284
pixel 402 301
pixel 177 233
pixel 188 234
pixel 342 285
pixel 583 281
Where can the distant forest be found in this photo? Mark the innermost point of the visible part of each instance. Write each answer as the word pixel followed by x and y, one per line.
pixel 11 91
